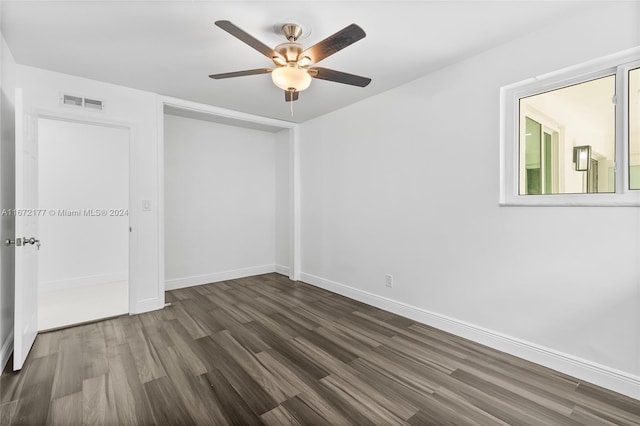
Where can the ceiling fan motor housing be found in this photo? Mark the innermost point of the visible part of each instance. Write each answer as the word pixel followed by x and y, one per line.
pixel 290 51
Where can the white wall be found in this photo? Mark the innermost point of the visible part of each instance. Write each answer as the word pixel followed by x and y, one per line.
pixel 7 197
pixel 407 183
pixel 83 170
pixel 137 109
pixel 220 201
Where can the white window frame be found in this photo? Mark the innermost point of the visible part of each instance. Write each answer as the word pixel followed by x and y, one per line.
pixel 618 64
pixel 625 119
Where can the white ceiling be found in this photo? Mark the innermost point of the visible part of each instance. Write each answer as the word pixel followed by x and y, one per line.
pixel 170 47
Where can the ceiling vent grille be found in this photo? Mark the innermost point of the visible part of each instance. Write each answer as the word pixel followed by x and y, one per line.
pixel 80 102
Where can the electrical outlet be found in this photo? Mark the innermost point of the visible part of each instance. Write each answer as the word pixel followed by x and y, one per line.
pixel 388 280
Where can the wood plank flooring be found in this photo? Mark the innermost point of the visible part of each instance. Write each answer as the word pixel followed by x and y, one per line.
pixel 265 350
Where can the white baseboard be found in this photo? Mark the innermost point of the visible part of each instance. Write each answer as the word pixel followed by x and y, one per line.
pixel 177 283
pixel 282 270
pixel 147 305
pixel 55 285
pixel 618 381
pixel 5 351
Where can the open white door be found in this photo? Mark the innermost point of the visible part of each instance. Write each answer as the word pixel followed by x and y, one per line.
pixel 26 242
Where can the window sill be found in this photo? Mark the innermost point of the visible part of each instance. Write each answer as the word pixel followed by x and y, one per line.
pixel 630 199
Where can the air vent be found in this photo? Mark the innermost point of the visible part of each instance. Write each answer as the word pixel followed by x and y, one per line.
pixel 93 104
pixel 72 100
pixel 80 102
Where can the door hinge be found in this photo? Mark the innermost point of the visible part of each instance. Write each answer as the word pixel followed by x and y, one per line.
pixel 614 100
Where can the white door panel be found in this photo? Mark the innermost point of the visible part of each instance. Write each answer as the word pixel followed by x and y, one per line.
pixel 26 244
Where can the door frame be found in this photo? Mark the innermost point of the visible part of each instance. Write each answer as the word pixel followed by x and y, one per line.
pixel 239 119
pixel 70 117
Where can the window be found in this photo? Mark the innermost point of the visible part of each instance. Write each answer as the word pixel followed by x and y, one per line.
pixel 553 124
pixel 564 140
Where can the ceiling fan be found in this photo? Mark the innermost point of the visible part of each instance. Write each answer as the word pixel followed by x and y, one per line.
pixel 294 70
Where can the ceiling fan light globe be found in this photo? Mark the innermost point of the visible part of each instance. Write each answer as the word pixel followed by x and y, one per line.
pixel 288 78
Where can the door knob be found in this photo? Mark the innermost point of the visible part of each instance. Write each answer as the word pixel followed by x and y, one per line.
pixel 31 241
pixel 22 242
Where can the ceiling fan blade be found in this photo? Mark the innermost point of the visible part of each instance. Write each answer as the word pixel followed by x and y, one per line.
pixel 248 39
pixel 334 43
pixel 339 76
pixel 241 73
pixel 290 96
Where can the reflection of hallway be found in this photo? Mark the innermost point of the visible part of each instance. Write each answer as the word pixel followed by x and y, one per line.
pixel 61 308
pixel 568 139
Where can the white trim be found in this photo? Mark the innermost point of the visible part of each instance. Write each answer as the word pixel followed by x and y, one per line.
pixel 147 305
pixel 160 195
pixel 223 112
pixel 55 285
pixel 616 380
pixel 294 204
pixel 84 118
pixel 134 213
pixel 623 102
pixel 509 194
pixel 5 351
pixel 282 270
pixel 215 277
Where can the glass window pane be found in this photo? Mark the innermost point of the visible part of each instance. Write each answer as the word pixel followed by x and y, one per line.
pixel 634 129
pixel 548 171
pixel 553 124
pixel 532 156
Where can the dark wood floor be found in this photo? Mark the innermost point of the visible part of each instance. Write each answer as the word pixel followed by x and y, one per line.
pixel 268 350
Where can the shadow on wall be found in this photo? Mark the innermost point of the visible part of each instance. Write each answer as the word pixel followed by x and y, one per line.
pixel 7 221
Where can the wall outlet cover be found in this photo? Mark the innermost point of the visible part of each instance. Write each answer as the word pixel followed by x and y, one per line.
pixel 388 280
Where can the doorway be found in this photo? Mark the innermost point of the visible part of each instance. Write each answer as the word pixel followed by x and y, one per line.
pixel 83 208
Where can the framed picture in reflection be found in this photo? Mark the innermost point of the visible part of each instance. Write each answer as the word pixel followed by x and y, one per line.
pixel 582 157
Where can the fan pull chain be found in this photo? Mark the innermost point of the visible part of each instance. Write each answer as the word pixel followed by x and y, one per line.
pixel 291 103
